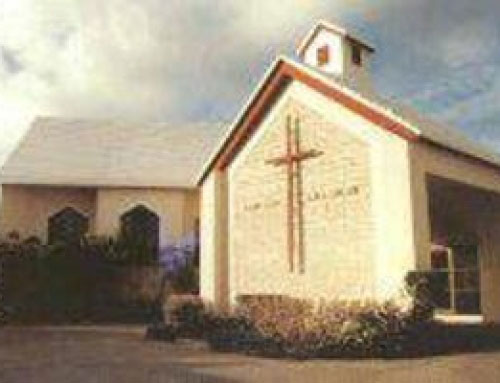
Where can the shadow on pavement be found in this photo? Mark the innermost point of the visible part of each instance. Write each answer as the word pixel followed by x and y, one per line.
pixel 450 339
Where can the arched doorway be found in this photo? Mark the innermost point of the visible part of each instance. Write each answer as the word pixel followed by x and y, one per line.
pixel 67 226
pixel 140 231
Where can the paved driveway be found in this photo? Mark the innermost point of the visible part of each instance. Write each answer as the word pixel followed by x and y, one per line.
pixel 104 354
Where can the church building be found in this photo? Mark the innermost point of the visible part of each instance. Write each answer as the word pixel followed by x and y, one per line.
pixel 104 178
pixel 321 190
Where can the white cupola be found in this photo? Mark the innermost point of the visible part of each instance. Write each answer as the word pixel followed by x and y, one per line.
pixel 336 52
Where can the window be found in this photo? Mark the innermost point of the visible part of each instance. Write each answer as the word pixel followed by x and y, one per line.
pixel 356 55
pixel 323 55
pixel 67 226
pixel 140 230
pixel 457 277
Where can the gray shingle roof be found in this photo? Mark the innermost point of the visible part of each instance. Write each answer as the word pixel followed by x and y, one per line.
pixel 430 128
pixel 57 151
pixel 445 135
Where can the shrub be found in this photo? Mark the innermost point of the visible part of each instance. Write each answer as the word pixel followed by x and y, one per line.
pixel 287 327
pixel 234 333
pixel 164 332
pixel 60 282
pixel 186 278
pixel 13 236
pixel 296 328
pixel 422 286
pixel 104 248
pixel 187 313
pixel 281 326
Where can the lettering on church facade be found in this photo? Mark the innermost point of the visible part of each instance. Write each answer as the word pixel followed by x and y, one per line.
pixel 313 195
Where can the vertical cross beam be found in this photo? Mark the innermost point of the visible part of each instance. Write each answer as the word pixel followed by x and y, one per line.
pixel 291 192
pixel 300 211
pixel 292 159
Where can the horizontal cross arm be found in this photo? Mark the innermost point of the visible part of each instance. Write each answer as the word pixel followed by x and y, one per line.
pixel 313 153
pixel 294 157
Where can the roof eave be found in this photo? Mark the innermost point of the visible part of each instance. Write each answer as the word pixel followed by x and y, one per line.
pixel 94 185
pixel 239 117
pixel 299 72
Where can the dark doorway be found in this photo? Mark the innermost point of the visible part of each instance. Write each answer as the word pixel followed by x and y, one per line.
pixel 140 230
pixel 67 226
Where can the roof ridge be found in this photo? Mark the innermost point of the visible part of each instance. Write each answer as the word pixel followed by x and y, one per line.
pixel 84 152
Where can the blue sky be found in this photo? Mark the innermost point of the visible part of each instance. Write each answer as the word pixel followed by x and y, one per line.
pixel 182 60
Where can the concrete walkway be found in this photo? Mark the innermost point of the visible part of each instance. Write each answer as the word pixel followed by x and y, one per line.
pixel 119 354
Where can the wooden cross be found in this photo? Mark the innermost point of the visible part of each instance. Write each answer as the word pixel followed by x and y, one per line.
pixel 292 159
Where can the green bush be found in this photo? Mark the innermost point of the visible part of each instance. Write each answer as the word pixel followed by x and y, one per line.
pixel 235 333
pixel 68 283
pixel 102 248
pixel 423 286
pixel 185 280
pixel 295 328
pixel 188 314
pixel 281 326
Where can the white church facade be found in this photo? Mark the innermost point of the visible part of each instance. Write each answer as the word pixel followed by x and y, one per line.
pixel 319 190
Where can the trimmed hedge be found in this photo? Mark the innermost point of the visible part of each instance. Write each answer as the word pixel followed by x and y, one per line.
pixel 281 326
pixel 98 279
pixel 74 283
pixel 287 327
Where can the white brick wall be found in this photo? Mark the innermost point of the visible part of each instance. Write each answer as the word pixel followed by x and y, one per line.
pixel 337 221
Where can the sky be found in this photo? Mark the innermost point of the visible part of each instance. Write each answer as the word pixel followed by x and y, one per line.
pixel 198 60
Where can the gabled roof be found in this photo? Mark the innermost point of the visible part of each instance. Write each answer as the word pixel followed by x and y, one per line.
pixel 397 119
pixel 445 136
pixel 332 28
pixel 69 152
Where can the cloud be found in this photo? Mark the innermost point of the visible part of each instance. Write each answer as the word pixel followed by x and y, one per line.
pixel 148 60
pixel 198 60
pixel 443 58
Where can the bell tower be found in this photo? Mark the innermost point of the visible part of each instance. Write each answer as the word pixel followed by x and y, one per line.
pixel 336 52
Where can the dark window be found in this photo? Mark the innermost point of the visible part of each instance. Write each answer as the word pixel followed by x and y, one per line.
pixel 140 230
pixel 356 55
pixel 68 226
pixel 323 55
pixel 457 278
